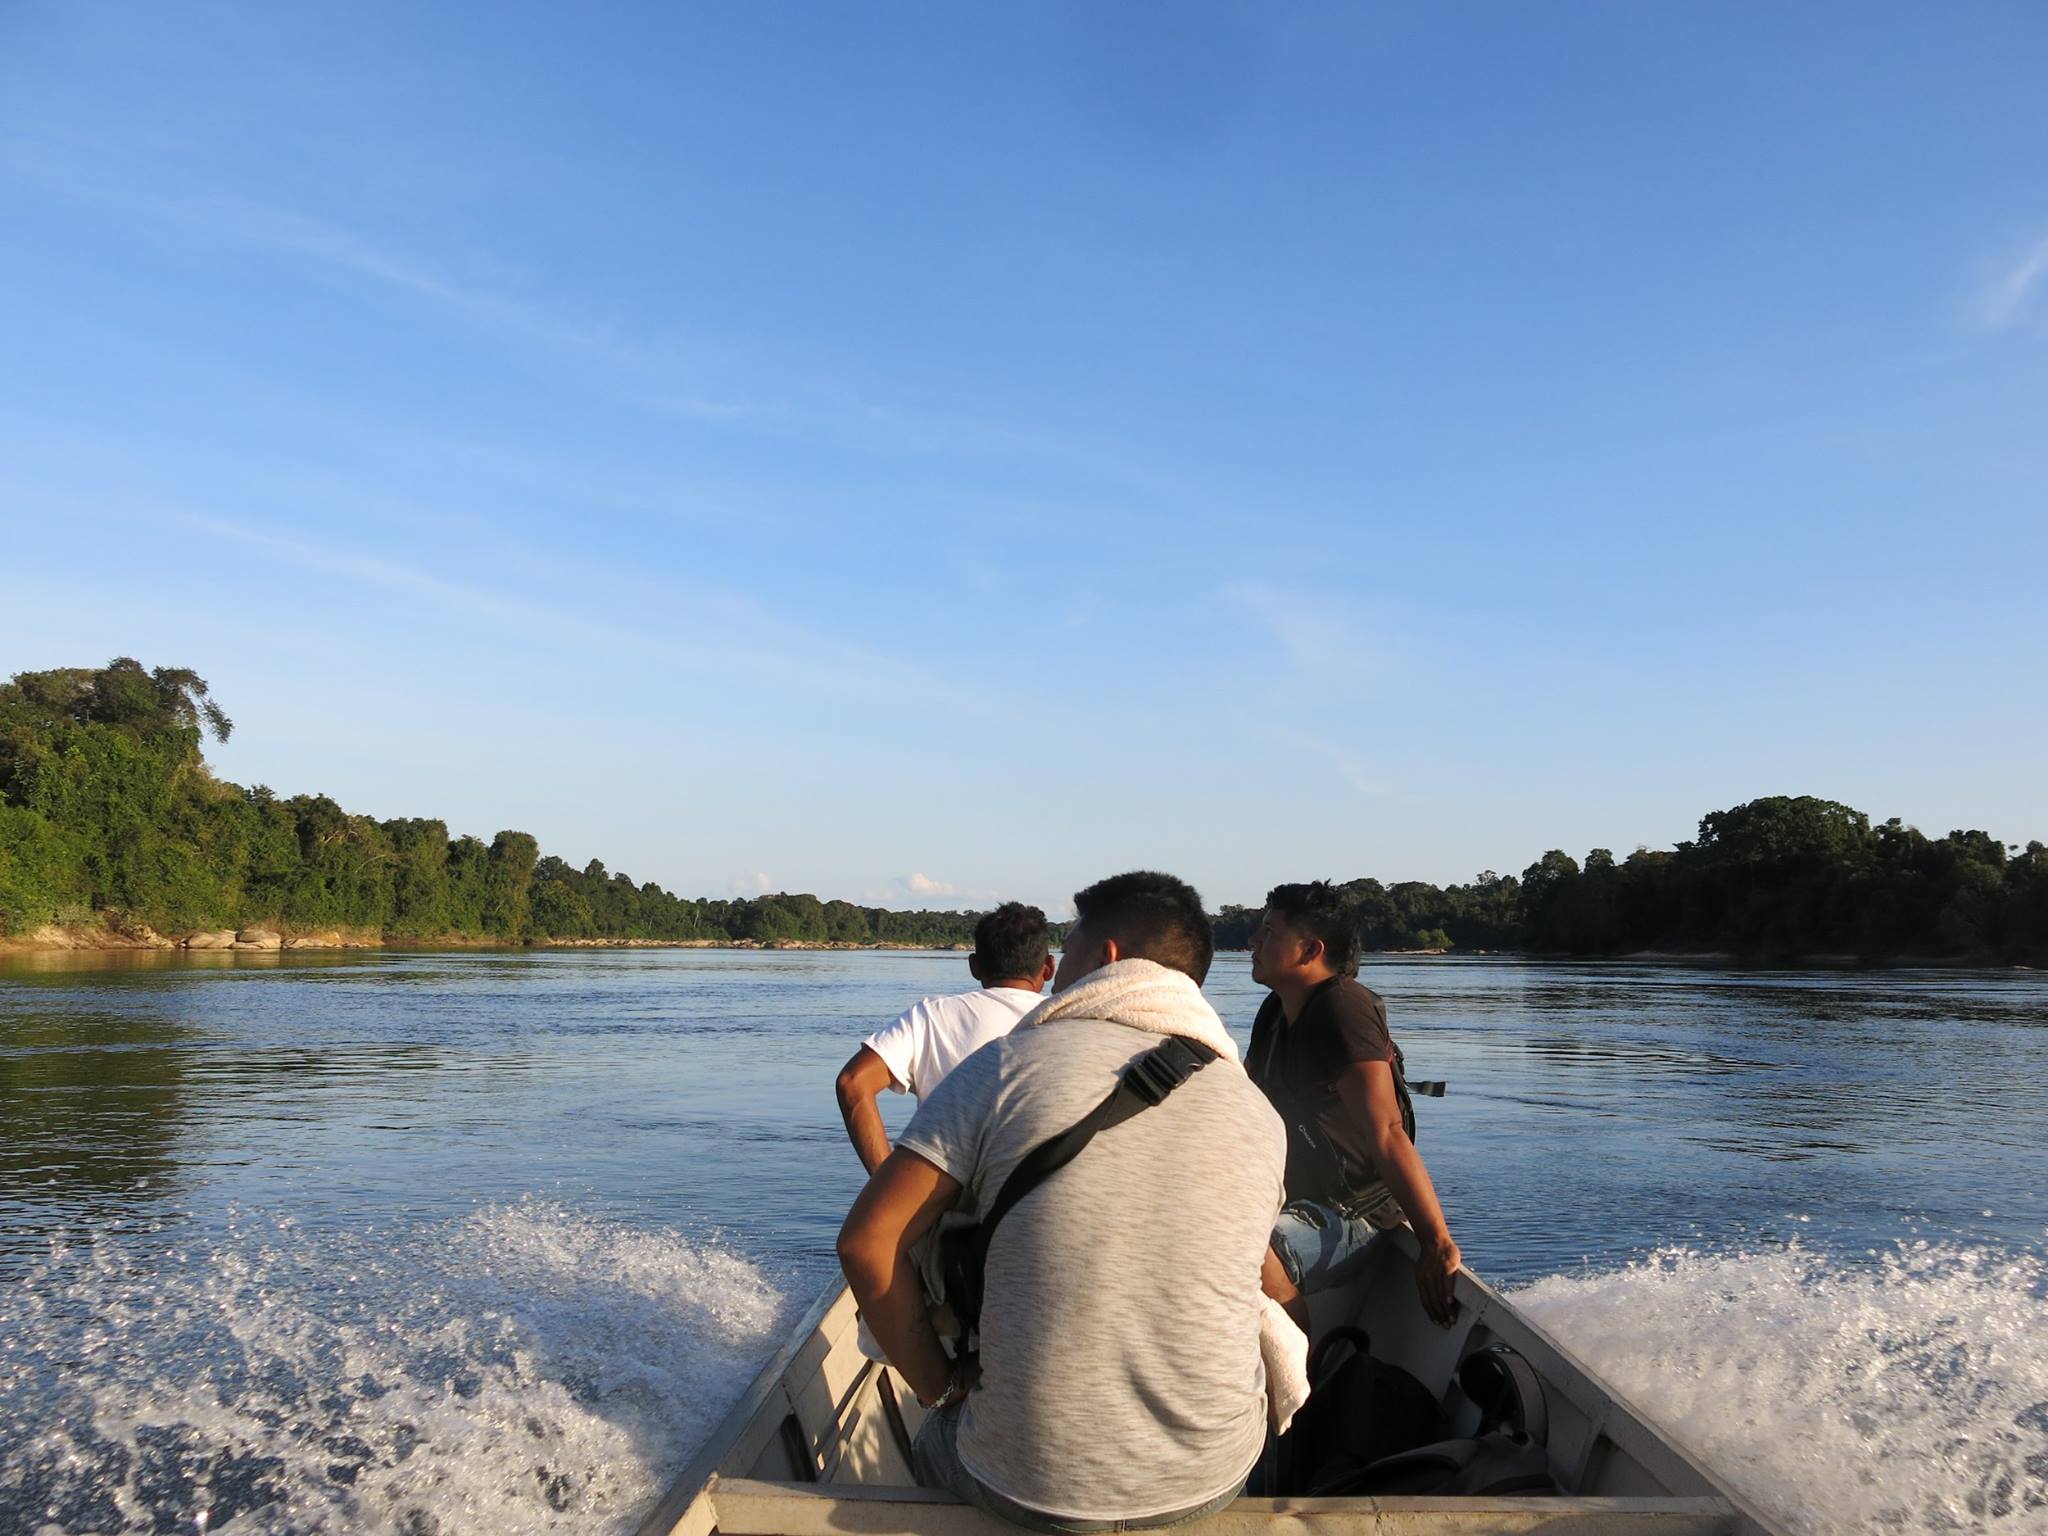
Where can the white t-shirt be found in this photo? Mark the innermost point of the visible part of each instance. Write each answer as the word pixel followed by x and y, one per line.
pixel 937 1034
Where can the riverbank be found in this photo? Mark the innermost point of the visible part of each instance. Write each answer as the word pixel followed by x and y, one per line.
pixel 113 936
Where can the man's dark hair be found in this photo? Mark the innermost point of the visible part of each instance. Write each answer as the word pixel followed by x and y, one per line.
pixel 1316 909
pixel 1152 917
pixel 1012 943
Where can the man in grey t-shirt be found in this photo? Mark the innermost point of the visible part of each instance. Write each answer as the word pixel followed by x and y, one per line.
pixel 1119 1377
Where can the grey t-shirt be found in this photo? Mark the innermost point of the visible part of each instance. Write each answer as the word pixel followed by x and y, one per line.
pixel 1121 1376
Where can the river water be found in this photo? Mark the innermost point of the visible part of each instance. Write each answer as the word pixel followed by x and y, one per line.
pixel 445 1243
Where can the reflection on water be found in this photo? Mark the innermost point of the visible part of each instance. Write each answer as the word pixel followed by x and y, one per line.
pixel 92 1109
pixel 1595 1113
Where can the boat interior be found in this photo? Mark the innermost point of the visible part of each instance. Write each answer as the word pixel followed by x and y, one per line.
pixel 821 1441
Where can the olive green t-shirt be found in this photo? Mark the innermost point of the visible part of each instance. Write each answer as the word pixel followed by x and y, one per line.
pixel 1329 1155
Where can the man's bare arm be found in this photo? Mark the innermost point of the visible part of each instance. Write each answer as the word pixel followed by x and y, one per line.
pixel 1367 1091
pixel 901 1203
pixel 1274 1282
pixel 861 1081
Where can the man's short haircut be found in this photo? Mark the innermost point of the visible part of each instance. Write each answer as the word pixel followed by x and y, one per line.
pixel 1152 917
pixel 1012 943
pixel 1316 909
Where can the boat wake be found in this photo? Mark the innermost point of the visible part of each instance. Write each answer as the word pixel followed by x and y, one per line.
pixel 528 1369
pixel 522 1370
pixel 1909 1393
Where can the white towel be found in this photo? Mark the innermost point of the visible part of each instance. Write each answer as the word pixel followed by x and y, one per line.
pixel 1284 1347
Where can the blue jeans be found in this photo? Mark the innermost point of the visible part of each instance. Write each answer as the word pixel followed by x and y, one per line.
pixel 935 1458
pixel 1319 1246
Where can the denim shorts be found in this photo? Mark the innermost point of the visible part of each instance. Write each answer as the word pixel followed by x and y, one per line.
pixel 1319 1246
pixel 935 1458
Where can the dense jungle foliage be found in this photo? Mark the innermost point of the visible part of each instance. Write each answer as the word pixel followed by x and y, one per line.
pixel 1777 878
pixel 106 806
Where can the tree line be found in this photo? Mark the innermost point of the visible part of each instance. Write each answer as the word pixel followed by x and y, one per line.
pixel 1779 878
pixel 107 806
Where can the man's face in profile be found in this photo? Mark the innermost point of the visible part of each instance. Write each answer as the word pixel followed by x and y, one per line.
pixel 1276 949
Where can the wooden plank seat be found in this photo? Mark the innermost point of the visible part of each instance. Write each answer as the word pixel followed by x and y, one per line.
pixel 745 1507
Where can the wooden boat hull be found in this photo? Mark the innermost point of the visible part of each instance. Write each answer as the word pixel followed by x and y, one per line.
pixel 820 1443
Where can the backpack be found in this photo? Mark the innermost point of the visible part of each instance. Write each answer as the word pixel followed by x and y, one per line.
pixel 1359 1410
pixel 1375 1432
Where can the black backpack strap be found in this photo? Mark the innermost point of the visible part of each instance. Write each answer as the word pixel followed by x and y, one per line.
pixel 1144 1083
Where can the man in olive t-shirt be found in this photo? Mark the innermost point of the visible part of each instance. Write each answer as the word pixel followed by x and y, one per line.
pixel 1321 1051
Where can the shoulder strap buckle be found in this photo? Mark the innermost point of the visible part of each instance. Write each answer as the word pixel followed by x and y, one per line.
pixel 1165 1067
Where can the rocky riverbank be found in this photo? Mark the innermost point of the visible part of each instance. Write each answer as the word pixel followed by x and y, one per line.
pixel 116 935
pixel 140 936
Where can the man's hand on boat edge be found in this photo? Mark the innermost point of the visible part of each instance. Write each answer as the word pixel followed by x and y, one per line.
pixel 1367 1091
pixel 1436 1273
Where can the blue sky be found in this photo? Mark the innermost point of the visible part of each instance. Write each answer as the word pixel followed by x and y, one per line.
pixel 928 453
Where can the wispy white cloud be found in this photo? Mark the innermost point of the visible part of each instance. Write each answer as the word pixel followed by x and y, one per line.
pixel 1319 640
pixel 765 644
pixel 235 221
pixel 665 380
pixel 370 570
pixel 754 884
pixel 1335 664
pixel 2013 292
pixel 704 408
pixel 1350 766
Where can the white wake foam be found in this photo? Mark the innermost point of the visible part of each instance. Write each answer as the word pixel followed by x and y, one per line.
pixel 529 1370
pixel 1906 1394
pixel 523 1370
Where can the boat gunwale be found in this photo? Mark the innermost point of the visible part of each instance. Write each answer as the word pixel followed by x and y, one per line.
pixel 693 1483
pixel 1624 1425
pixel 688 1507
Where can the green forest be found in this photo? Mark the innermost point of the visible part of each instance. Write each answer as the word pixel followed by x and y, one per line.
pixel 108 807
pixel 1781 878
pixel 108 811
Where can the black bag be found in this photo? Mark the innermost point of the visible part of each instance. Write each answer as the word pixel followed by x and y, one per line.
pixel 1506 1456
pixel 1492 1466
pixel 1359 1411
pixel 963 1247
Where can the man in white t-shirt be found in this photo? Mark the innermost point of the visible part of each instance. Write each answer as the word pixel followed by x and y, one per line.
pixel 1012 960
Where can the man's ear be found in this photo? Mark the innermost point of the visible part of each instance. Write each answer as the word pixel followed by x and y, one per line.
pixel 1111 951
pixel 1047 971
pixel 974 967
